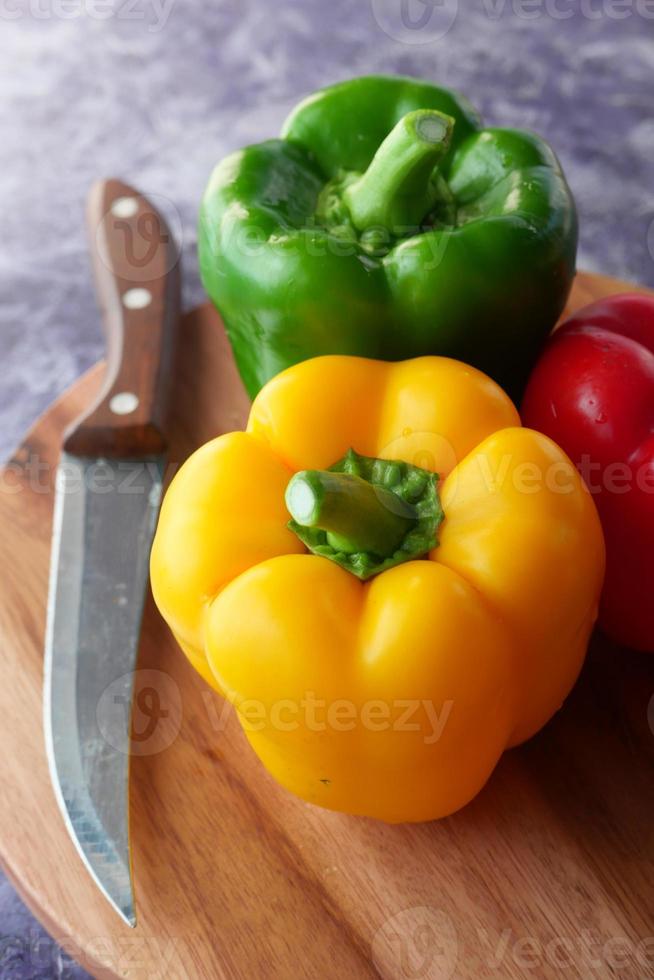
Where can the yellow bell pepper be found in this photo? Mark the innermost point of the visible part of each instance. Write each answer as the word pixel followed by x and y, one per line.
pixel 392 697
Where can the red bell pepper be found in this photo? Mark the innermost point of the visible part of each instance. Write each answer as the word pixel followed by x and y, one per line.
pixel 592 391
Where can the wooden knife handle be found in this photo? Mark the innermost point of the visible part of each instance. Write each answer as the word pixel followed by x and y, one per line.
pixel 137 275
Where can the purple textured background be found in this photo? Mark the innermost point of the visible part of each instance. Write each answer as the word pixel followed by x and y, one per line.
pixel 158 91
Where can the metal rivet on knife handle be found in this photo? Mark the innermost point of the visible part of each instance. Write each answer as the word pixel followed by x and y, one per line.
pixel 137 299
pixel 123 403
pixel 125 207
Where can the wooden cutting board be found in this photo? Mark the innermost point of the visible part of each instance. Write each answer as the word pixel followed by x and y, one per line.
pixel 547 873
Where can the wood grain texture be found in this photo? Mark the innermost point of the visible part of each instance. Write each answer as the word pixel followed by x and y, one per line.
pixel 547 873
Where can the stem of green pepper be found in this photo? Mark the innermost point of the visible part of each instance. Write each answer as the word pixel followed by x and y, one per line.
pixel 357 515
pixel 397 191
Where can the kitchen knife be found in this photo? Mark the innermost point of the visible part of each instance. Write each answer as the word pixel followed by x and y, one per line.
pixel 108 490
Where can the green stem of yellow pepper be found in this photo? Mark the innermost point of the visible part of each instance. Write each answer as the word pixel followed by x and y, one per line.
pixel 398 189
pixel 358 516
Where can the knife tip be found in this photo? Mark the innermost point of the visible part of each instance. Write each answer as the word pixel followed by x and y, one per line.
pixel 127 914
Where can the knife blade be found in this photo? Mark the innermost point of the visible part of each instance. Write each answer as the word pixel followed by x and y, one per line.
pixel 107 495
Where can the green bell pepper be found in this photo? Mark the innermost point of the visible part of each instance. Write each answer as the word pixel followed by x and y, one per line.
pixel 387 223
